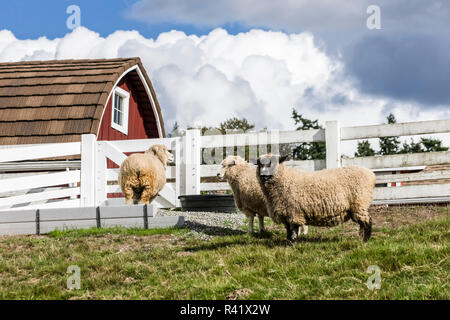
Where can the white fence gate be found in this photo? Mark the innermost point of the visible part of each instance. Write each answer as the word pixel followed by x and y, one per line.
pixel 90 183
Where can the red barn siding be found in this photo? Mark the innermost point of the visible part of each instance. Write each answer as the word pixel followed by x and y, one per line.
pixel 141 119
pixel 136 129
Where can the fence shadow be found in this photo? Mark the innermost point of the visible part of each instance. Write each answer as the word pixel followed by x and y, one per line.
pixel 212 230
pixel 267 239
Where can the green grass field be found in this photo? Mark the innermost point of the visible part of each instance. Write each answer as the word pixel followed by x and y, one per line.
pixel 412 254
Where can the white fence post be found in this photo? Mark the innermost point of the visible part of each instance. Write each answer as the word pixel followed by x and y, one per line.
pixel 191 161
pixel 87 178
pixel 178 178
pixel 333 144
pixel 100 174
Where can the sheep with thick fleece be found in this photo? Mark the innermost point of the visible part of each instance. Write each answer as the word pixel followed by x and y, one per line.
pixel 323 198
pixel 143 176
pixel 247 192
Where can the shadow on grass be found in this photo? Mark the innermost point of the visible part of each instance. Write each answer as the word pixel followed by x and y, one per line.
pixel 269 240
pixel 212 230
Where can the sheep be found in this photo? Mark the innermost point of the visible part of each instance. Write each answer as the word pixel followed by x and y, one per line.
pixel 323 198
pixel 248 195
pixel 143 176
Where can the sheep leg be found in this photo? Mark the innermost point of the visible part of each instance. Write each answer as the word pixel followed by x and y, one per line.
pixel 288 231
pixel 295 230
pixel 146 196
pixel 250 223
pixel 128 193
pixel 261 223
pixel 304 229
pixel 365 226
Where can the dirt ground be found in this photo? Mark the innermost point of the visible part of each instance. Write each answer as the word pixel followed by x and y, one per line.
pixel 393 216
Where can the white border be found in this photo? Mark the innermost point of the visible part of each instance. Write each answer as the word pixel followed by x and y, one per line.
pixel 149 94
pixel 126 107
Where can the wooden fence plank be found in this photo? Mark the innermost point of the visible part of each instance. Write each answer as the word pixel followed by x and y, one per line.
pixel 45 195
pixel 73 203
pixel 407 177
pixel 40 151
pixel 114 188
pixel 159 202
pixel 132 211
pixel 212 170
pixel 113 174
pixel 397 129
pixel 140 145
pixel 66 214
pixel 211 186
pixel 399 160
pixel 113 153
pixel 36 181
pixel 419 191
pixel 17 228
pixel 23 215
pixel 262 138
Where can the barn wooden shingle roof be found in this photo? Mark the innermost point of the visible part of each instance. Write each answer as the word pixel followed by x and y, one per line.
pixel 58 100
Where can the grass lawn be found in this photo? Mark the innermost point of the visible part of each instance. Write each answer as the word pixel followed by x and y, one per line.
pixel 409 245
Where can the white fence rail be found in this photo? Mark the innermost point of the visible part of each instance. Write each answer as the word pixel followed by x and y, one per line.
pixel 40 190
pixel 90 183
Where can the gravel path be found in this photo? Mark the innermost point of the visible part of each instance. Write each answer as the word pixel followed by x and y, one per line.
pixel 208 224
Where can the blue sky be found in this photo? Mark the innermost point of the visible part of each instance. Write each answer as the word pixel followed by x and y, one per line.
pixel 32 19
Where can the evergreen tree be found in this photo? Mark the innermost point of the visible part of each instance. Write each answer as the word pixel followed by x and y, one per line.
pixel 176 132
pixel 412 147
pixel 364 149
pixel 235 124
pixel 305 150
pixel 389 145
pixel 432 145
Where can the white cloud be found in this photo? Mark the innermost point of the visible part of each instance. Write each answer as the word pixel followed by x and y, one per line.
pixel 259 75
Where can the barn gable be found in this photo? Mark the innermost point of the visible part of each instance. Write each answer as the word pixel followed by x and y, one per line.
pixel 59 100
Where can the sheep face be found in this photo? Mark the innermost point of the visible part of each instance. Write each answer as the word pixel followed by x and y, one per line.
pixel 227 163
pixel 160 151
pixel 268 165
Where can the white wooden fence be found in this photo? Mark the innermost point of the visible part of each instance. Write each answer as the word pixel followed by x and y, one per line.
pixel 40 190
pixel 89 184
pixel 332 135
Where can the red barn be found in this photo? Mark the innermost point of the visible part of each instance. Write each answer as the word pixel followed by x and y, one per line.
pixel 59 100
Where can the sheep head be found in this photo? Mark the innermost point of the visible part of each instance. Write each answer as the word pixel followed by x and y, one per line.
pixel 268 165
pixel 228 163
pixel 160 151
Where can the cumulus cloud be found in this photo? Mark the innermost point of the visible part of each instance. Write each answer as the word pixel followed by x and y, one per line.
pixel 407 59
pixel 260 75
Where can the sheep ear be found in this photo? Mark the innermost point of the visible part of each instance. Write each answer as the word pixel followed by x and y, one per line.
pixel 152 150
pixel 283 158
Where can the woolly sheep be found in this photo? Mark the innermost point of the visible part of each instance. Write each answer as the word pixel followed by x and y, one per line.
pixel 322 198
pixel 143 176
pixel 248 195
